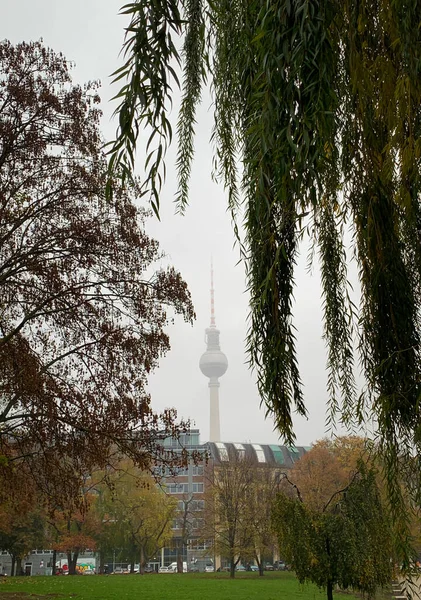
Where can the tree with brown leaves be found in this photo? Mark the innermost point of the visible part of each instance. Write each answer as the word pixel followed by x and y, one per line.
pixel 82 309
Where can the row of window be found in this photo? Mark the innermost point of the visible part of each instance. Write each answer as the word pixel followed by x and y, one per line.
pixel 86 552
pixel 193 505
pixel 293 452
pixel 184 488
pixel 199 544
pixel 161 471
pixel 224 456
pixel 191 524
pixel 184 440
pixel 32 552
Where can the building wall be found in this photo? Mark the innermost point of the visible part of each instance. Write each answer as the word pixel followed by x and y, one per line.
pixel 39 562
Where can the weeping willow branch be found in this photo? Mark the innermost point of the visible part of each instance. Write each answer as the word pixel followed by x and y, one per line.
pixel 317 108
pixel 145 97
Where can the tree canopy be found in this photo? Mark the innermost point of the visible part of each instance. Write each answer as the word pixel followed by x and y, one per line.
pixel 317 130
pixel 82 309
pixel 238 506
pixel 137 515
pixel 333 525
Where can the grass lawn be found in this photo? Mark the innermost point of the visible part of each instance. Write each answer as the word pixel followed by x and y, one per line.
pixel 190 586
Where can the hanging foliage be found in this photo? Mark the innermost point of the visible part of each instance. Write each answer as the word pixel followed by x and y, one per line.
pixel 317 125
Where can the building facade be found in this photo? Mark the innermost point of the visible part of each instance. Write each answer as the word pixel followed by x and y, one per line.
pixel 189 485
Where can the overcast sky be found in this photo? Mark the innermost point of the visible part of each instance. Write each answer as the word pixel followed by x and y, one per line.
pixel 90 34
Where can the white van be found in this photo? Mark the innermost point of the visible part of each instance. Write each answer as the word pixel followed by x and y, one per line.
pixel 173 567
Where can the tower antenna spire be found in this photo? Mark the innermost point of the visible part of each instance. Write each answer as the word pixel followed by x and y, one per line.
pixel 212 291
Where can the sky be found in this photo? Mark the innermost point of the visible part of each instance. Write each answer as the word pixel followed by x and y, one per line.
pixel 90 34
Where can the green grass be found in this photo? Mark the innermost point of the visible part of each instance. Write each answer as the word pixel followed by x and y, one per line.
pixel 191 586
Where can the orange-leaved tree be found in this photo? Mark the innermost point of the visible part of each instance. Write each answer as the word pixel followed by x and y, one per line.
pixel 332 523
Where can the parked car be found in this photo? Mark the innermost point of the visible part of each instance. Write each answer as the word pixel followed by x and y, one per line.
pixel 194 569
pixel 209 569
pixel 279 565
pixel 240 568
pixel 165 570
pixel 268 567
pixel 148 569
pixel 253 568
pixel 174 569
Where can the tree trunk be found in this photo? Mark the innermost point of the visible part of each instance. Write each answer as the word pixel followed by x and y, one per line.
pixel 132 567
pixel 12 571
pixel 329 590
pixel 72 562
pixel 101 563
pixel 259 563
pixel 53 561
pixel 18 565
pixel 142 560
pixel 232 567
pixel 180 556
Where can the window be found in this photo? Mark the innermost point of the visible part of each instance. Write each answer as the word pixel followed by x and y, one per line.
pixel 241 451
pixel 194 439
pixel 223 452
pixel 196 505
pixel 278 454
pixel 192 506
pixel 183 488
pixel 177 488
pixel 199 545
pixel 294 453
pixel 185 471
pixel 181 471
pixel 161 471
pixel 170 442
pixel 259 453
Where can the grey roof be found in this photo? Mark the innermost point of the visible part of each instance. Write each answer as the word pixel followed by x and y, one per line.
pixel 272 455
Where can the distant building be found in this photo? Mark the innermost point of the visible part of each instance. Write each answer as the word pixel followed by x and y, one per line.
pixel 188 485
pixel 40 562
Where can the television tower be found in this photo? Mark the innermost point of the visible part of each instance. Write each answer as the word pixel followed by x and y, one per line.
pixel 213 363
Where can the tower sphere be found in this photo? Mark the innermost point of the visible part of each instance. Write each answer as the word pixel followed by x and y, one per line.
pixel 213 363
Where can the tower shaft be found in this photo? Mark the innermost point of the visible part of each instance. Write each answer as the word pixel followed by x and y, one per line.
pixel 212 323
pixel 214 422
